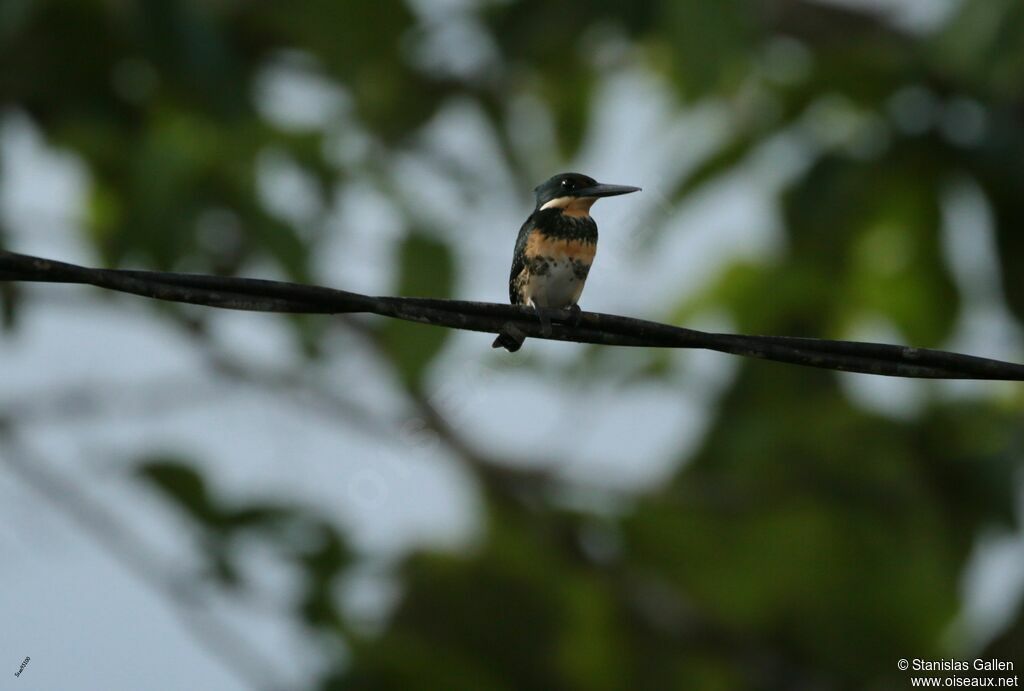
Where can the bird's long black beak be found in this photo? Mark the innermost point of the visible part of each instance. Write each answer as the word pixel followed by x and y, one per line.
pixel 602 190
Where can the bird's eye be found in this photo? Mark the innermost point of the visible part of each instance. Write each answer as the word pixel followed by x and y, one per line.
pixel 567 184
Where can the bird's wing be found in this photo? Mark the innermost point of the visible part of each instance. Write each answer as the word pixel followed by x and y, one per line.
pixel 519 260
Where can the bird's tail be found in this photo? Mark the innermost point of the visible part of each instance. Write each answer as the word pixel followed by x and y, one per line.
pixel 510 338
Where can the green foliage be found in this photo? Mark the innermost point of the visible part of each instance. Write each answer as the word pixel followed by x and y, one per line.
pixel 790 527
pixel 186 488
pixel 1008 210
pixel 983 45
pixel 709 45
pixel 870 232
pixel 310 543
pixel 803 541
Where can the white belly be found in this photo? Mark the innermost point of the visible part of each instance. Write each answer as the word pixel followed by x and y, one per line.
pixel 558 287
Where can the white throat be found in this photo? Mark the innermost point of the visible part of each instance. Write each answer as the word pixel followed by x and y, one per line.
pixel 574 206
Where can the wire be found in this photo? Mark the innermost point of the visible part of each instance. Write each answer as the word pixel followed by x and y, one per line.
pixel 592 327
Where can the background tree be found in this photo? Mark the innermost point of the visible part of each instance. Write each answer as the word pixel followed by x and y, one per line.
pixel 803 530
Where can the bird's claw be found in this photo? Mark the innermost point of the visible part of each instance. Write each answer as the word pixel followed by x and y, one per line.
pixel 510 338
pixel 575 314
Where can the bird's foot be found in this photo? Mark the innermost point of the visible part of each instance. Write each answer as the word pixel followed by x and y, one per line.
pixel 510 338
pixel 575 314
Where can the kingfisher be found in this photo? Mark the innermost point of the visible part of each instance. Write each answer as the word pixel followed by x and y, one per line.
pixel 555 249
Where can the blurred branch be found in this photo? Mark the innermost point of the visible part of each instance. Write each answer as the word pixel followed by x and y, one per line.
pixel 91 399
pixel 211 634
pixel 596 328
pixel 507 478
pixel 819 23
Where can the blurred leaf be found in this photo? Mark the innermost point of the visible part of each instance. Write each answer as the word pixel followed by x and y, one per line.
pixel 567 91
pixel 591 649
pixel 14 15
pixel 262 516
pixel 361 44
pixel 184 40
pixel 738 289
pixel 222 567
pixel 871 235
pixel 721 162
pixel 8 306
pixel 970 456
pixel 283 243
pixel 1007 202
pixel 897 268
pixel 709 43
pixel 426 269
pixel 493 617
pixel 983 45
pixel 1009 643
pixel 184 486
pixel 330 556
pixel 848 542
pixel 322 563
pixel 407 663
pixel 312 544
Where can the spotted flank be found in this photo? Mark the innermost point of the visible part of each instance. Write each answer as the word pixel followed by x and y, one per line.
pixel 554 270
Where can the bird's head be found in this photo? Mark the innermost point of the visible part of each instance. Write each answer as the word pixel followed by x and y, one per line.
pixel 574 193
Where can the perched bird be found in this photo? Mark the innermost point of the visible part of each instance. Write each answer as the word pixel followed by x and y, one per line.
pixel 555 249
